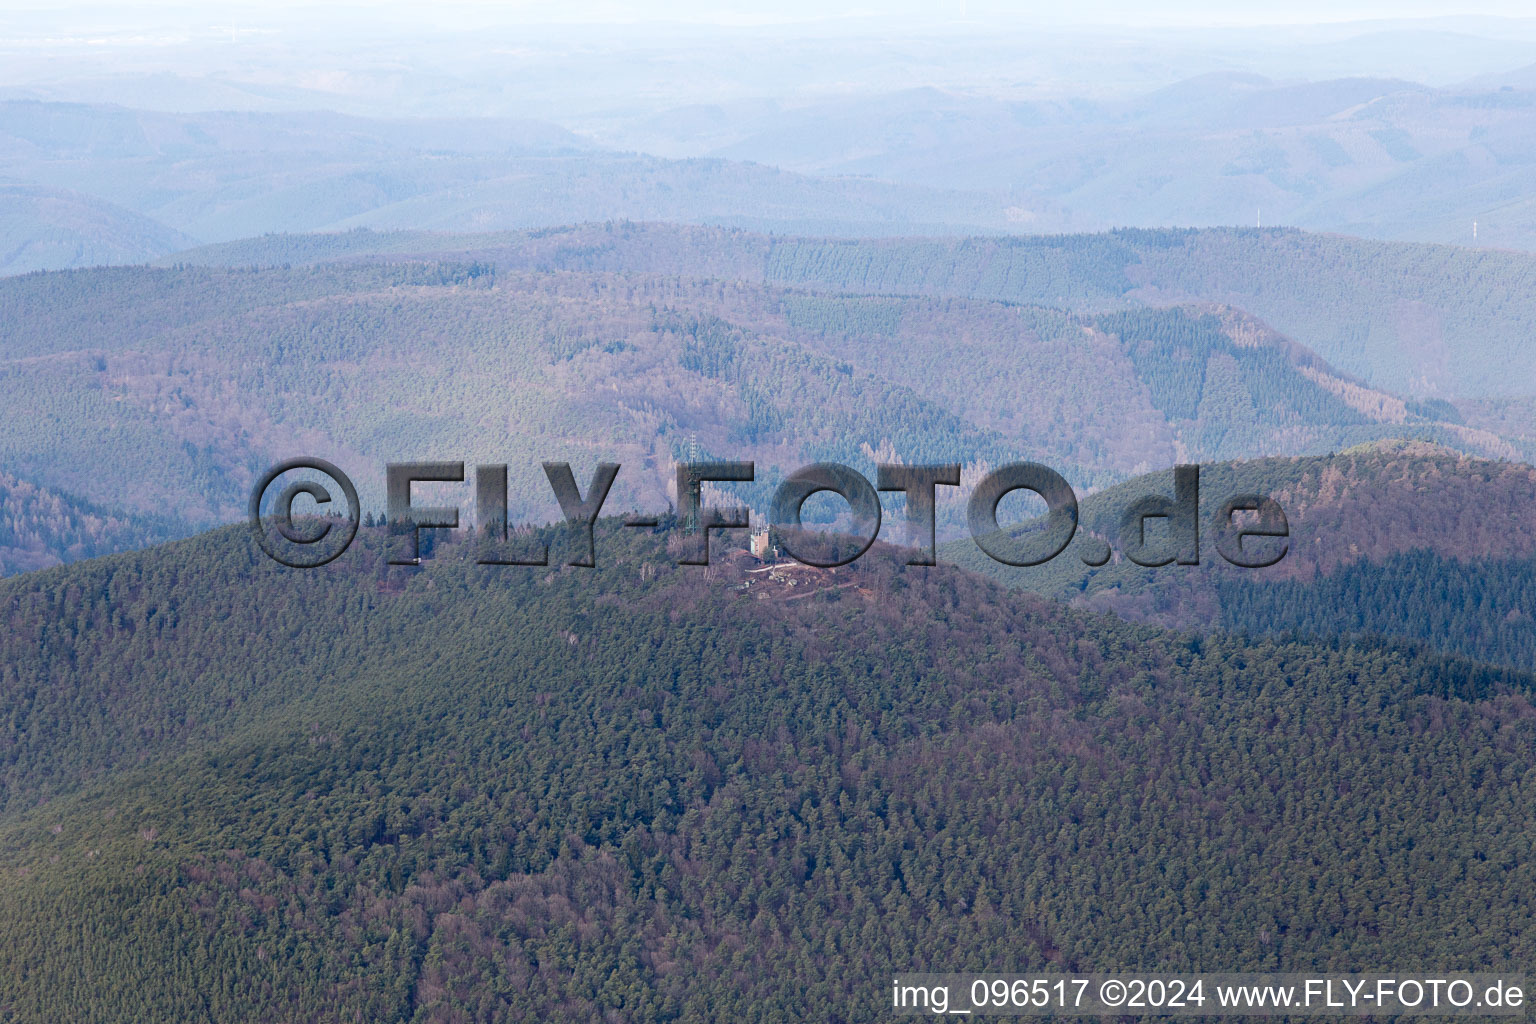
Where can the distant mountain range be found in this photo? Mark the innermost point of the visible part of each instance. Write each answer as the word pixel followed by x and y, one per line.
pixel 222 176
pixel 1382 158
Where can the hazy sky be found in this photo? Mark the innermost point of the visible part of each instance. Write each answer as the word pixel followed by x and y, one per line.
pixel 1169 12
pixel 565 59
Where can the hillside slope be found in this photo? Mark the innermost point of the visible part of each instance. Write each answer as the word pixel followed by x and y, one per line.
pixel 49 229
pixel 41 528
pixel 1421 320
pixel 1402 540
pixel 641 791
pixel 175 388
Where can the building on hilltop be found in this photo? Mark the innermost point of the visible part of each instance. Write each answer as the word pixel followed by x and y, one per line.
pixel 761 547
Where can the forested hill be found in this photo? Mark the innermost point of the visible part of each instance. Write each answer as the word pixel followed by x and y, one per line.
pixel 42 228
pixel 1401 540
pixel 658 793
pixel 40 527
pixel 158 389
pixel 1405 317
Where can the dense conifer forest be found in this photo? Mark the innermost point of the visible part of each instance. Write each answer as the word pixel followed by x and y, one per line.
pixel 655 792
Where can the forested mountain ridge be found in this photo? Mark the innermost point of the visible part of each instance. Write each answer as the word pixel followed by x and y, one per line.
pixel 45 228
pixel 1417 319
pixel 462 793
pixel 40 528
pixel 174 388
pixel 1403 540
